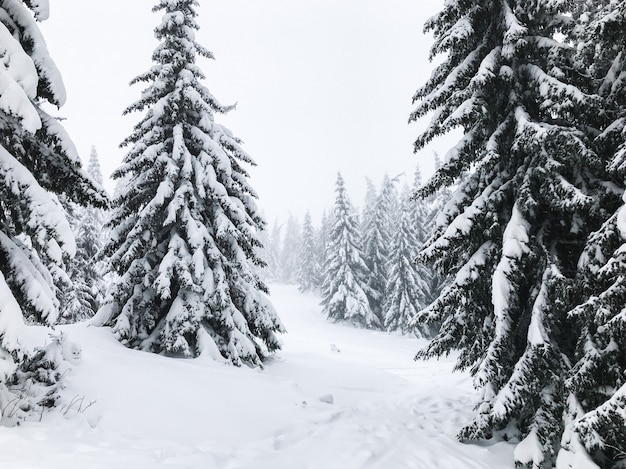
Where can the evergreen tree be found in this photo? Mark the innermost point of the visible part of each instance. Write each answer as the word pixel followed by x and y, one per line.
pixel 38 161
pixel 530 190
pixel 376 243
pixel 308 265
pixel 83 298
pixel 345 291
pixel 290 251
pixel 273 257
pixel 596 385
pixel 369 204
pixel 430 217
pixel 184 240
pixel 406 291
pixel 322 241
pixel 263 252
pixel 419 210
pixel 392 200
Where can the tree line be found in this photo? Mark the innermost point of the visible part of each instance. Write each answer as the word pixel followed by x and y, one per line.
pixel 362 262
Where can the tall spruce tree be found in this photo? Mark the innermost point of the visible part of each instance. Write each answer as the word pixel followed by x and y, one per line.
pixel 185 227
pixel 376 243
pixel 419 209
pixel 597 383
pixel 530 190
pixel 274 265
pixel 406 291
pixel 369 203
pixel 345 290
pixel 322 241
pixel 38 161
pixel 435 219
pixel 309 268
pixel 85 295
pixel 289 252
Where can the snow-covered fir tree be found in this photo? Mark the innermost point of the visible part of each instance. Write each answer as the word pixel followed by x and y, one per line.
pixel 376 243
pixel 530 190
pixel 289 252
pixel 344 289
pixel 406 291
pixel 323 235
pixel 597 383
pixel 185 227
pixel 369 204
pixel 392 199
pixel 309 268
pixel 435 220
pixel 420 209
pixel 86 271
pixel 274 266
pixel 38 161
pixel 423 214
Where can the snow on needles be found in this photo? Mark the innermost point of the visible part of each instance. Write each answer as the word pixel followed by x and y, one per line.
pixel 514 246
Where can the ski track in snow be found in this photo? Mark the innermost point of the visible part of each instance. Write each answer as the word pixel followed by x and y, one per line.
pixel 388 411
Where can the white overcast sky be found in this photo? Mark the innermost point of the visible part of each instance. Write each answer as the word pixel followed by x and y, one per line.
pixel 321 85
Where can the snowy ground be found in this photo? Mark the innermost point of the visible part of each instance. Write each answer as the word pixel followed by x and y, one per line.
pixel 387 411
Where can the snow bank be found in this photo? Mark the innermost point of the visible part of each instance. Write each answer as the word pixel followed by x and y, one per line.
pixel 387 411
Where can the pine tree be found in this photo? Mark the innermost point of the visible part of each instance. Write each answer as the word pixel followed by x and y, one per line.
pixel 85 295
pixel 406 291
pixel 308 263
pixel 530 190
pixel 38 162
pixel 184 240
pixel 345 290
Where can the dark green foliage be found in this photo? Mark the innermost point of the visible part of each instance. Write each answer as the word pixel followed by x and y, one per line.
pixel 532 186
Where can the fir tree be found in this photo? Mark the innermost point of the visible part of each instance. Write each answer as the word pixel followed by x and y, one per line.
pixel 406 291
pixel 419 210
pixel 530 190
pixel 38 161
pixel 289 251
pixel 185 227
pixel 376 243
pixel 274 264
pixel 423 218
pixel 322 241
pixel 597 402
pixel 369 204
pixel 308 264
pixel 345 290
pixel 83 298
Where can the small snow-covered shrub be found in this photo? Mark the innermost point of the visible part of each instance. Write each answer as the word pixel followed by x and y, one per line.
pixel 34 384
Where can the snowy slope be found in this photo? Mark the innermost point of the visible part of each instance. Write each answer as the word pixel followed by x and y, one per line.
pixel 387 411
